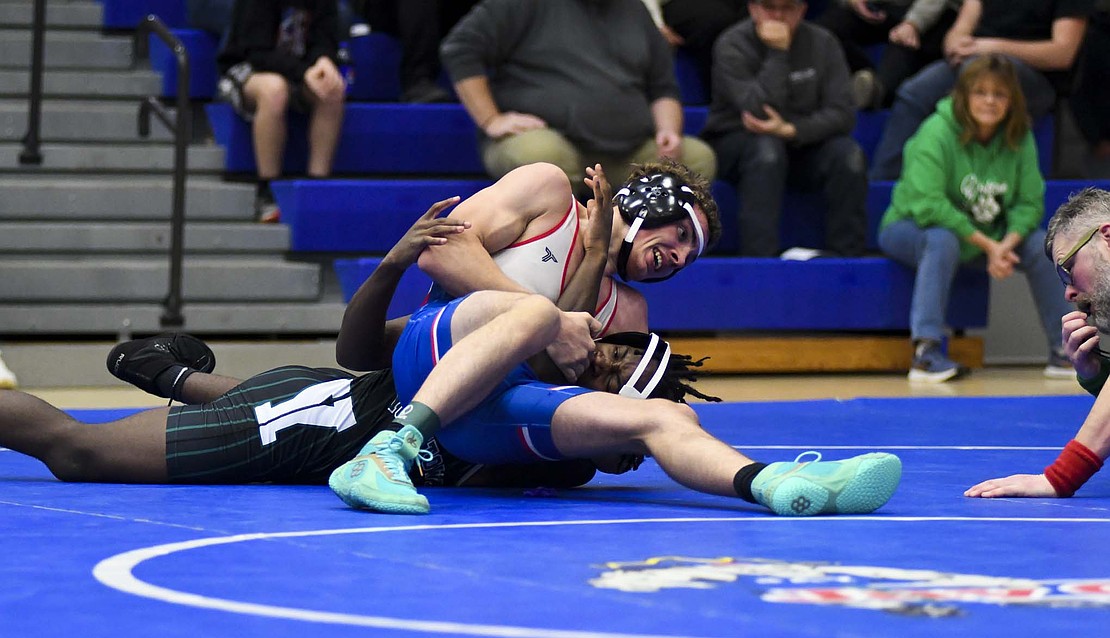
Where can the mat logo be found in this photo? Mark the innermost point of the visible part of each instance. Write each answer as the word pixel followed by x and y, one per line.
pixel 891 589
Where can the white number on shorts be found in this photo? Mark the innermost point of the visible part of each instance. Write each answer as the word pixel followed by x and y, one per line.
pixel 324 405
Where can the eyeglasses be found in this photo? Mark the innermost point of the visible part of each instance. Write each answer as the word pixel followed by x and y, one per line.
pixel 1063 270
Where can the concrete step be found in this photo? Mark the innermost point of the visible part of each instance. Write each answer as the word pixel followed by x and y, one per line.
pixel 66 50
pixel 228 319
pixel 112 197
pixel 73 14
pixel 116 84
pixel 120 238
pixel 146 280
pixel 94 158
pixel 81 121
pixel 59 364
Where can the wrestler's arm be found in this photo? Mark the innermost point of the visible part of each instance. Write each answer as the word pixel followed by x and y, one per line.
pixel 630 315
pixel 498 215
pixel 595 226
pixel 366 339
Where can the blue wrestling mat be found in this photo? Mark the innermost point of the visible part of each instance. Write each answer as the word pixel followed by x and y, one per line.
pixel 632 555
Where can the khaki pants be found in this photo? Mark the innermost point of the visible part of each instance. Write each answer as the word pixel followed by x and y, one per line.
pixel 547 145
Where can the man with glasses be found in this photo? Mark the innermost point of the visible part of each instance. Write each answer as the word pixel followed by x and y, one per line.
pixel 782 106
pixel 1078 241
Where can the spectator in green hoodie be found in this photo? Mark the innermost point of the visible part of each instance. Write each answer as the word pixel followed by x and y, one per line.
pixel 971 194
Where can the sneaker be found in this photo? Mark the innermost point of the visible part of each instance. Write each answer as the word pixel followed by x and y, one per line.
pixel 140 361
pixel 378 478
pixel 867 91
pixel 800 253
pixel 1059 366
pixel 7 377
pixel 266 210
pixel 931 365
pixel 858 485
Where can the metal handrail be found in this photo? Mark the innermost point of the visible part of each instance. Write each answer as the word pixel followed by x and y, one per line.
pixel 31 153
pixel 180 125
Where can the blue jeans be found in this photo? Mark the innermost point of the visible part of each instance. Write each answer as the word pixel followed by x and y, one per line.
pixel 917 98
pixel 759 166
pixel 935 254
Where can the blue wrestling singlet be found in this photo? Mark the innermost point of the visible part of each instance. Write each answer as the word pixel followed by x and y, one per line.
pixel 512 425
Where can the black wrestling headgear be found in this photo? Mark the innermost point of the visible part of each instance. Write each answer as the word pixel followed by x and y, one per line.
pixel 652 201
pixel 639 386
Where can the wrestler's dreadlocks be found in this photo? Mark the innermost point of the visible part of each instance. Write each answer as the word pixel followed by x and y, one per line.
pixel 677 380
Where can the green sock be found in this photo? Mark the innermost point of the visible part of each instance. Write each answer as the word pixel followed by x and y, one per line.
pixel 418 416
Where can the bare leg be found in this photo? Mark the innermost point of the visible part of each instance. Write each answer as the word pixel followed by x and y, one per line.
pixel 131 450
pixel 323 135
pixel 268 93
pixel 201 387
pixel 493 332
pixel 598 423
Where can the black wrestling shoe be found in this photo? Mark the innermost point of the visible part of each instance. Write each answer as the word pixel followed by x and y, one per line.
pixel 141 361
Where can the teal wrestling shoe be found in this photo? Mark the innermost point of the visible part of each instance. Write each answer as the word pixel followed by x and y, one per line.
pixel 858 485
pixel 378 478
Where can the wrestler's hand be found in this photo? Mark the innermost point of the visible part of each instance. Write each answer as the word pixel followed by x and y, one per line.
pixel 1080 343
pixel 429 230
pixel 597 220
pixel 617 463
pixel 571 349
pixel 1034 485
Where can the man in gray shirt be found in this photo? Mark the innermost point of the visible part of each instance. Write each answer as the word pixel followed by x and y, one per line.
pixel 782 106
pixel 571 82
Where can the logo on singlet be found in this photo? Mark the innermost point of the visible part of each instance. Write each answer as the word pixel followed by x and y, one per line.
pixel 548 255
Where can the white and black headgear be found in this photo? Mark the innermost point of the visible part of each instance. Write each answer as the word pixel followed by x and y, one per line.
pixel 651 201
pixel 657 350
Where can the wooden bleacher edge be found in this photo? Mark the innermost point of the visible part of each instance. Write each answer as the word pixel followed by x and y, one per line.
pixel 738 353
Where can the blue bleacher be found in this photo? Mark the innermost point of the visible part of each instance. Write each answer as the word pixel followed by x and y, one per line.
pixel 747 294
pixel 360 216
pixel 408 156
pixel 125 14
pixel 202 48
pixel 377 138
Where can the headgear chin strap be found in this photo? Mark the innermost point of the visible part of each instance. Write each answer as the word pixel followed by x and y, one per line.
pixel 656 350
pixel 652 201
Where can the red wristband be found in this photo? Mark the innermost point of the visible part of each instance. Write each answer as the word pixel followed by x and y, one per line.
pixel 1072 468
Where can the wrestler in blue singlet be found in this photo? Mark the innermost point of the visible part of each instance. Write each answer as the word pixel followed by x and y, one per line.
pixel 512 425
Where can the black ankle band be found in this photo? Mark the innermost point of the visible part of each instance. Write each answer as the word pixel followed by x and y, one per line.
pixel 742 482
pixel 171 381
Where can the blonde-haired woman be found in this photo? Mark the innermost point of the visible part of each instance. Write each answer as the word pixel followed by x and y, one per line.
pixel 971 194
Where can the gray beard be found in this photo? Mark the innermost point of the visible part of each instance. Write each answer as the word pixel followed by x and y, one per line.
pixel 1099 299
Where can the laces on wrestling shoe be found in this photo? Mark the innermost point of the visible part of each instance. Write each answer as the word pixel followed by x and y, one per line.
pixel 816 457
pixel 422 457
